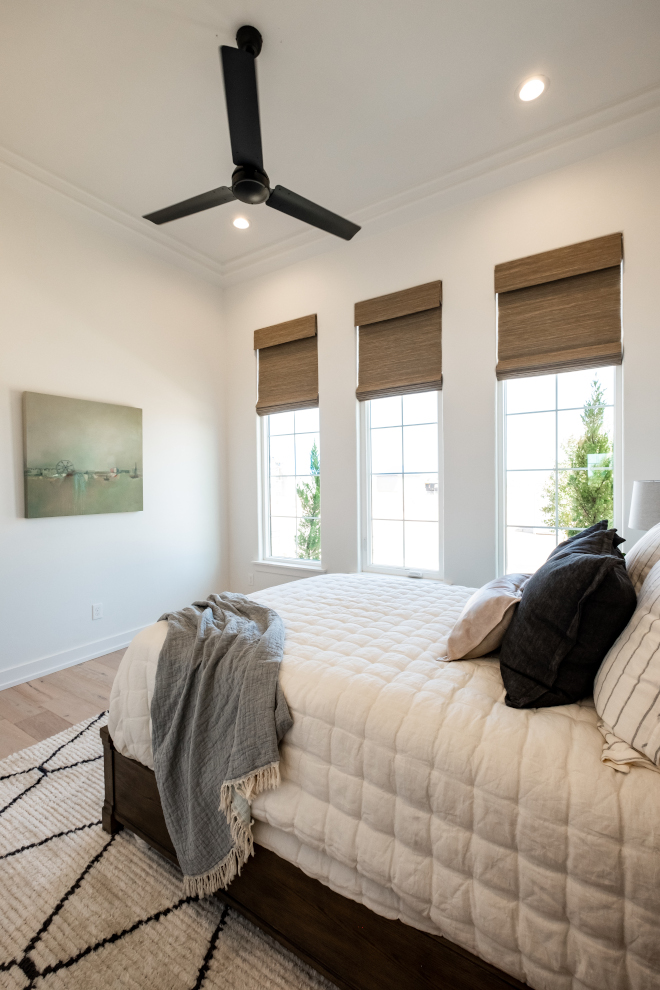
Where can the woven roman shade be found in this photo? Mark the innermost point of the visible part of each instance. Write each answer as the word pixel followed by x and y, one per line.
pixel 560 310
pixel 288 376
pixel 400 342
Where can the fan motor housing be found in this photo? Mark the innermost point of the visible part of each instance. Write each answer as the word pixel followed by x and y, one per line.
pixel 250 185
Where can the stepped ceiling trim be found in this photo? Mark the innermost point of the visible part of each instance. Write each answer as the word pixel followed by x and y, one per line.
pixel 610 126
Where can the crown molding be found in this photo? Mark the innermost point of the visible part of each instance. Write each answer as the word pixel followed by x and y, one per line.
pixel 582 138
pixel 166 247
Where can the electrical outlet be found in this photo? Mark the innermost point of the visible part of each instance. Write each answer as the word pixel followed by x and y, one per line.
pixel 251 580
pixel 97 611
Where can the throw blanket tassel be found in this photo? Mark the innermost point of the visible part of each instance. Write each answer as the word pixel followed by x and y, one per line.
pixel 219 878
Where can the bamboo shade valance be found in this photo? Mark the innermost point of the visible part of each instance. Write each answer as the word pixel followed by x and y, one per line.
pixel 400 342
pixel 288 375
pixel 560 310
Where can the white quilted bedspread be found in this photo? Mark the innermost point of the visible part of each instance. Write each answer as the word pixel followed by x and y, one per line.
pixel 409 786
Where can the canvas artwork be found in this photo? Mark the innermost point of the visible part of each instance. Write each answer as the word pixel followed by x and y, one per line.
pixel 81 457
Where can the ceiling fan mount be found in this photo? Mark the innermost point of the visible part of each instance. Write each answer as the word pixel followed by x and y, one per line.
pixel 249 40
pixel 250 183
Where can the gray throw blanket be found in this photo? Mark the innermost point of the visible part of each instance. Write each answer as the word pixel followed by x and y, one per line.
pixel 218 714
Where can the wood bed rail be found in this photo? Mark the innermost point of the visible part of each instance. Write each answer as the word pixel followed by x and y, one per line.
pixel 352 946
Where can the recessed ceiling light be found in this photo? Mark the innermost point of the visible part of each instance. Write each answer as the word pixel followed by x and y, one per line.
pixel 532 88
pixel 241 223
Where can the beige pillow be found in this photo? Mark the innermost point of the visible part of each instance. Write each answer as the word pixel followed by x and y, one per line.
pixel 642 556
pixel 485 618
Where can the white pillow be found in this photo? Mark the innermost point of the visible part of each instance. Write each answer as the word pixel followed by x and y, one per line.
pixel 627 686
pixel 642 556
pixel 485 618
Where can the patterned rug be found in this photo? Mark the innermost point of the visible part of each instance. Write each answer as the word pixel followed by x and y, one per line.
pixel 81 910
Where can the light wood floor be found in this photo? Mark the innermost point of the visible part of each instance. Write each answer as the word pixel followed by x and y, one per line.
pixel 37 709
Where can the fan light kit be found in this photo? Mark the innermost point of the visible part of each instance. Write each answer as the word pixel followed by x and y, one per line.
pixel 241 223
pixel 249 182
pixel 532 88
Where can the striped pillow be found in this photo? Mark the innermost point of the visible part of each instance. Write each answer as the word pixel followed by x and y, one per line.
pixel 642 556
pixel 627 687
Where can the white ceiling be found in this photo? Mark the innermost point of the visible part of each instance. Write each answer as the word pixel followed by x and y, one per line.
pixel 361 100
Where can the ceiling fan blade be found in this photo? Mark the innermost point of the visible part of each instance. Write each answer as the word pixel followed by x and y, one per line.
pixel 303 209
pixel 215 197
pixel 240 76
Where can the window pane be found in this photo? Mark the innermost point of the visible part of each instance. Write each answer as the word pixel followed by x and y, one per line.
pixel 569 430
pixel 304 449
pixel 387 543
pixel 530 440
pixel 574 388
pixel 420 408
pixel 527 549
pixel 386 412
pixel 386 496
pixel 420 448
pixel 282 455
pixel 421 496
pixel 283 536
pixel 280 423
pixel 530 498
pixel 386 451
pixel 530 394
pixel 283 496
pixel 422 545
pixel 307 420
pixel 305 492
pixel 309 538
pixel 585 497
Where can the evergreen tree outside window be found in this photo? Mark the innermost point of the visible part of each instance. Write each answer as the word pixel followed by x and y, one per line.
pixel 560 458
pixel 293 485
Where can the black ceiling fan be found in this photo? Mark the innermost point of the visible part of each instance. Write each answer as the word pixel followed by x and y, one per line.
pixel 249 182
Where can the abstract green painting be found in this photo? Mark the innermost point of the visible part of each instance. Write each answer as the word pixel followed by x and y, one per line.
pixel 81 457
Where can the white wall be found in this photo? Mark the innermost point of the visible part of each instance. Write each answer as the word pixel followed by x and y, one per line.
pixel 87 313
pixel 619 190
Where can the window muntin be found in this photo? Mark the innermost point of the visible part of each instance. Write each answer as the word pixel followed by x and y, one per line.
pixel 402 482
pixel 559 468
pixel 293 485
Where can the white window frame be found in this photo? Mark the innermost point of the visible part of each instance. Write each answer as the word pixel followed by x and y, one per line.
pixel 280 564
pixel 501 459
pixel 365 502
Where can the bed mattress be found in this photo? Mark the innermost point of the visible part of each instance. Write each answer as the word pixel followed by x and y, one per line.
pixel 409 786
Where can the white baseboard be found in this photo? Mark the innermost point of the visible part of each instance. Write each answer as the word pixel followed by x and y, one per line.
pixel 68 658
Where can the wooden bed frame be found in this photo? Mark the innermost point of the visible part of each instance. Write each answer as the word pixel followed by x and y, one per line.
pixel 345 941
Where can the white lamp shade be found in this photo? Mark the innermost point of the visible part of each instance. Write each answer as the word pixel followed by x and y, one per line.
pixel 645 505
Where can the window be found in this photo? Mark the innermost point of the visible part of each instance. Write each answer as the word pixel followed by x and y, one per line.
pixel 401 515
pixel 293 485
pixel 559 453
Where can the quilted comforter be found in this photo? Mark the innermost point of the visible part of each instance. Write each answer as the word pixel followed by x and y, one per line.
pixel 408 785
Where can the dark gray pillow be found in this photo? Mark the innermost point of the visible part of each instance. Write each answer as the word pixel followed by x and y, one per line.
pixel 596 528
pixel 571 611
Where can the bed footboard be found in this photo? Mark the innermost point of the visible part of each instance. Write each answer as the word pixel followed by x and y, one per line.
pixel 345 941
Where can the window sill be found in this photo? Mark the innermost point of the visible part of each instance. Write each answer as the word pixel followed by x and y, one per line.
pixel 301 570
pixel 406 573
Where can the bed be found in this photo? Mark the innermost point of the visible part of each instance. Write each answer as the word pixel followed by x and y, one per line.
pixel 447 839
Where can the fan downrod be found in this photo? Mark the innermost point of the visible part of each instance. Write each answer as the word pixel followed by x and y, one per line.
pixel 249 39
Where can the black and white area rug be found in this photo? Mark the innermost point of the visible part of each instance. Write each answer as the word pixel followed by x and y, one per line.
pixel 81 910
